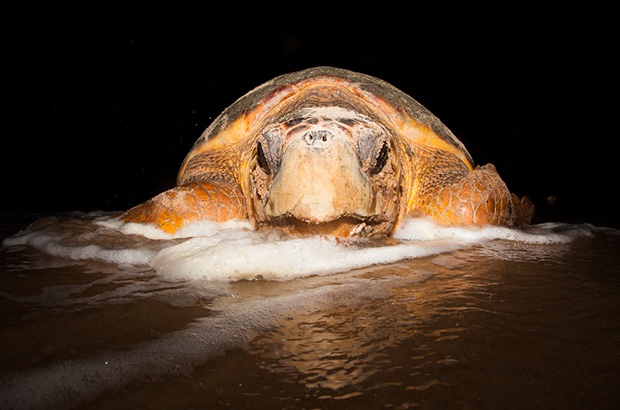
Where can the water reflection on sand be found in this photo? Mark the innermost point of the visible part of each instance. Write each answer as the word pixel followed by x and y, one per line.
pixel 496 324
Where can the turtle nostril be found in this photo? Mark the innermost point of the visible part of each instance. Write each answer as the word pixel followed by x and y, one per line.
pixel 317 138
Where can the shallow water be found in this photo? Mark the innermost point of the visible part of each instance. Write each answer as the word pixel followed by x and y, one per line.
pixel 100 315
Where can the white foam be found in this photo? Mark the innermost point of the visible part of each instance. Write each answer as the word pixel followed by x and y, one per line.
pixel 424 229
pixel 78 246
pixel 233 251
pixel 244 258
pixel 200 228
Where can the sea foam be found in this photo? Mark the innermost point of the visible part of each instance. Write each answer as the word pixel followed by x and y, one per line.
pixel 233 251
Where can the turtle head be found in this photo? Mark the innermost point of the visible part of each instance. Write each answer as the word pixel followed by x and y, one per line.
pixel 326 170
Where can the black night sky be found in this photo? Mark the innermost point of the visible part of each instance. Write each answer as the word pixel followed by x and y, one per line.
pixel 99 113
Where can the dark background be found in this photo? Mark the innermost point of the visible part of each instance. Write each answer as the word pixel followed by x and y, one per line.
pixel 99 111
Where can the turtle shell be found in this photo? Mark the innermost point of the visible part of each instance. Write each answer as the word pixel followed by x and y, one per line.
pixel 323 86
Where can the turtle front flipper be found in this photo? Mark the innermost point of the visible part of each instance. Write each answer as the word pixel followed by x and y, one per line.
pixel 192 202
pixel 476 197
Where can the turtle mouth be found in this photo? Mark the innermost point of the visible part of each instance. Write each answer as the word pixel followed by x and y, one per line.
pixel 346 226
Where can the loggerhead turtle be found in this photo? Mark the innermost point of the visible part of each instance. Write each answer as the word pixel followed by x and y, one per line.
pixel 333 152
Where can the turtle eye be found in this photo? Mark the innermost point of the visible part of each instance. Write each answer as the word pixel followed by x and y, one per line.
pixel 269 150
pixel 373 147
pixel 262 160
pixel 381 160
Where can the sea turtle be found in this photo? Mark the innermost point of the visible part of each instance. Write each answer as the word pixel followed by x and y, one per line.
pixel 331 152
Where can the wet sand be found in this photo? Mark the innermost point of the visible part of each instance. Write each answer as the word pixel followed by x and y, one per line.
pixel 500 325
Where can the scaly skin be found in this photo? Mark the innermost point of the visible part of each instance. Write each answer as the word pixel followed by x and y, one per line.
pixel 192 202
pixel 451 194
